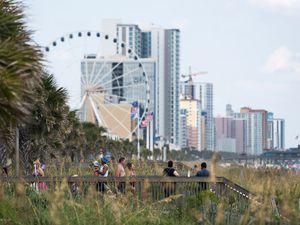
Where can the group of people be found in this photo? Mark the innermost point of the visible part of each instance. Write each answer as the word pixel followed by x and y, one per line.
pixel 103 170
pixel 171 172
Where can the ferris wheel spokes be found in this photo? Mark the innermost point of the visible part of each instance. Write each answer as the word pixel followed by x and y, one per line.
pixel 82 101
pixel 104 64
pixel 118 77
pixel 108 73
pixel 117 106
pixel 120 87
pixel 100 120
pixel 112 115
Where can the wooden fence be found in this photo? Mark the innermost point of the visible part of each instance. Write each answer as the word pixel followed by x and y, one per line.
pixel 151 187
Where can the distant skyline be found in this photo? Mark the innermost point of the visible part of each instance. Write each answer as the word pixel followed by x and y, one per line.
pixel 250 48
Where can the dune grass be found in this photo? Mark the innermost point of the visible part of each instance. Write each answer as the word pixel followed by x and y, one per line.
pixel 276 202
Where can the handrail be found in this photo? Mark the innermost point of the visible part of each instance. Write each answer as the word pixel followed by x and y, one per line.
pixel 111 178
pixel 222 182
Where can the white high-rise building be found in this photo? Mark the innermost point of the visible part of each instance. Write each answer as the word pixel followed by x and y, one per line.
pixel 165 48
pixel 162 45
pixel 131 35
pixel 254 131
pixel 183 137
pixel 204 93
pixel 278 134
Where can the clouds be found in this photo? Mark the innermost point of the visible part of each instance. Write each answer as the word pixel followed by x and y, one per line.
pixel 280 5
pixel 282 59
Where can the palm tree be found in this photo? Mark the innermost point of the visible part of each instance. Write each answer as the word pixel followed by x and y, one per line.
pixel 74 136
pixel 20 67
pixel 49 124
pixel 94 137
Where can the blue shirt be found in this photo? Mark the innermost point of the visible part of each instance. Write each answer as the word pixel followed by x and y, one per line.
pixel 202 173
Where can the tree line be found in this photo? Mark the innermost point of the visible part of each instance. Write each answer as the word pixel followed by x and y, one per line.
pixel 32 102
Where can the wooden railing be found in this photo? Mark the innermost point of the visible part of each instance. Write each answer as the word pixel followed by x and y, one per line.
pixel 150 187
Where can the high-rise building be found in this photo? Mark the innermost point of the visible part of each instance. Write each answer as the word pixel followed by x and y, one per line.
pixel 230 130
pixel 256 131
pixel 146 44
pixel 225 144
pixel 165 49
pixel 183 137
pixel 224 127
pixel 229 111
pixel 131 35
pixel 264 125
pixel 270 131
pixel 240 135
pixel 193 120
pixel 162 45
pixel 204 93
pixel 279 134
pixel 261 131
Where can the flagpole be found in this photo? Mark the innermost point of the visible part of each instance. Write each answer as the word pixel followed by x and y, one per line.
pixel 138 133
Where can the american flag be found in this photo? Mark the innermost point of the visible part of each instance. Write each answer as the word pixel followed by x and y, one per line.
pixel 134 110
pixel 147 120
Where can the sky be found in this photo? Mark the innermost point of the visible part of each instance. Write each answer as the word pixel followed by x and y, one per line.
pixel 250 48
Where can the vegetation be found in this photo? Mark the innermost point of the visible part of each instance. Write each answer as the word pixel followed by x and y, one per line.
pixel 31 101
pixel 20 66
pixel 59 206
pixel 272 188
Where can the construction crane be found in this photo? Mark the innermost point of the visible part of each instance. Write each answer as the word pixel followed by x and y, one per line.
pixel 190 80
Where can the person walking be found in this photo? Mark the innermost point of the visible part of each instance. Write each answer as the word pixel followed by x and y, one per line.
pixel 131 169
pixel 120 172
pixel 101 171
pixel 131 175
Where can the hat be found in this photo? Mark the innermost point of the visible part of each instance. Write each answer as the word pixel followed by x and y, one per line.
pixel 104 159
pixel 96 163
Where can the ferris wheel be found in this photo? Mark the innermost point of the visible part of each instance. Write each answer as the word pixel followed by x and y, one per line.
pixel 112 91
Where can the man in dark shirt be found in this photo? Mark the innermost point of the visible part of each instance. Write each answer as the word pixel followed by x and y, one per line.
pixel 170 188
pixel 203 172
pixel 170 171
